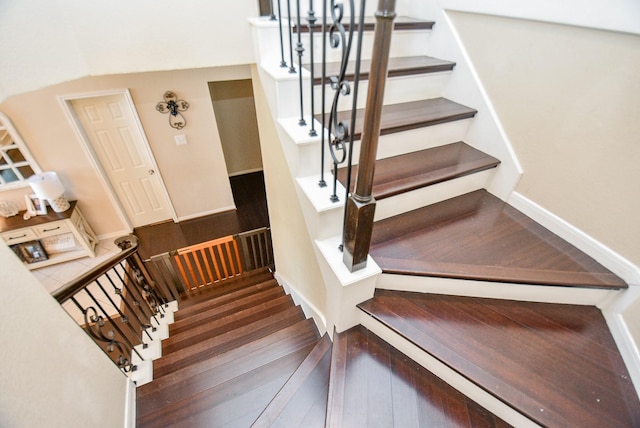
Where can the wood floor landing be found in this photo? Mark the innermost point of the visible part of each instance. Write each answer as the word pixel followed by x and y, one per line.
pixel 479 237
pixel 557 364
pixel 375 385
pixel 412 171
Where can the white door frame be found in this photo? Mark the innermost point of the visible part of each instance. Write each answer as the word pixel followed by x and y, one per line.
pixel 66 100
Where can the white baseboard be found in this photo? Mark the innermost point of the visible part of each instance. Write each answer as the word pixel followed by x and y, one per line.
pixel 310 311
pixel 243 172
pixel 205 213
pixel 604 255
pixel 626 346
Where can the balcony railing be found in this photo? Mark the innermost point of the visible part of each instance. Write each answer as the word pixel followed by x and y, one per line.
pixel 120 302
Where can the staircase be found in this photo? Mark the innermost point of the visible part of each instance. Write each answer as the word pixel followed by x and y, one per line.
pixel 472 312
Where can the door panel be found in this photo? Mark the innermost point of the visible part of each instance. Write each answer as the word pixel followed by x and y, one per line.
pixel 110 125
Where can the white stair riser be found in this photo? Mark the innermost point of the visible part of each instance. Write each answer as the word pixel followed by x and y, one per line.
pixel 429 195
pixel 494 290
pixel 397 90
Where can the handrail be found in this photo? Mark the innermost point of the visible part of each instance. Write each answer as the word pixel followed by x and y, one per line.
pixel 337 134
pixel 115 303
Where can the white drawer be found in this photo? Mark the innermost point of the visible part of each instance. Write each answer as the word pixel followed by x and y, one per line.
pixel 50 229
pixel 19 236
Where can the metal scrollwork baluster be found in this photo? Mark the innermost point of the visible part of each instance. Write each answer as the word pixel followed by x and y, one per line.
pixel 283 63
pixel 300 51
pixel 95 325
pixel 339 130
pixel 311 19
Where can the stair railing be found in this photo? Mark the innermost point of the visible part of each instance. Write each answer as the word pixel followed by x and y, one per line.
pixel 117 304
pixel 337 133
pixel 197 266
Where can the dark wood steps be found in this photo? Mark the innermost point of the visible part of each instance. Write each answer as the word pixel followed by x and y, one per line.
pixel 556 364
pixel 412 115
pixel 398 67
pixel 222 307
pixel 399 23
pixel 412 171
pixel 302 401
pixel 373 384
pixel 479 237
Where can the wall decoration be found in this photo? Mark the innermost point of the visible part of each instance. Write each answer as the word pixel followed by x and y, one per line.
pixel 173 106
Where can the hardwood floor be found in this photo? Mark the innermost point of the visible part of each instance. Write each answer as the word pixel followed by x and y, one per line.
pixel 373 384
pixel 557 364
pixel 479 237
pixel 251 213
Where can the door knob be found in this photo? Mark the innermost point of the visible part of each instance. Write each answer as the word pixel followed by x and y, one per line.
pixel 151 172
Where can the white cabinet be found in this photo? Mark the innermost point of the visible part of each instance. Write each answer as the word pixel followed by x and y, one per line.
pixel 49 239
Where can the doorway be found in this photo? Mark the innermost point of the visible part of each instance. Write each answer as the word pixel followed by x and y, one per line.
pixel 234 109
pixel 114 138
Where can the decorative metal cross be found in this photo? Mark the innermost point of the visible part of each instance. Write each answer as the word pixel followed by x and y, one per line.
pixel 174 106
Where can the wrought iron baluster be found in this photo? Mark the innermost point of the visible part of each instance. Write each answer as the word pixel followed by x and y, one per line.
pixel 339 130
pixel 136 298
pixel 300 51
pixel 323 82
pixel 272 17
pixel 123 316
pixel 311 19
pixel 283 63
pixel 292 68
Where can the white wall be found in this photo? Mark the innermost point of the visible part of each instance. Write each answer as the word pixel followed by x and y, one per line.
pixel 46 42
pixel 52 374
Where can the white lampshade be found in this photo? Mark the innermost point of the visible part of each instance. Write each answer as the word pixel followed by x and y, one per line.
pixel 46 185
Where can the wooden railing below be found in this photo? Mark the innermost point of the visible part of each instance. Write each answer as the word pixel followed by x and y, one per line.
pixel 192 268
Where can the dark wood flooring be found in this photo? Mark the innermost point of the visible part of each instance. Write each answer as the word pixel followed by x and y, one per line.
pixel 251 213
pixel 375 385
pixel 479 237
pixel 557 364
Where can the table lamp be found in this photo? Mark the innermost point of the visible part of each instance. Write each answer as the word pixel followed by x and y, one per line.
pixel 47 186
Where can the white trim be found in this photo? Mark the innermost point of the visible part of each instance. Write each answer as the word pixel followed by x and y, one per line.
pixel 604 255
pixel 612 15
pixel 65 101
pixel 130 405
pixel 246 171
pixel 205 213
pixel 310 311
pixel 444 372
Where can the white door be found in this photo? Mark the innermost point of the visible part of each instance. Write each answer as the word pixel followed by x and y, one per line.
pixel 111 125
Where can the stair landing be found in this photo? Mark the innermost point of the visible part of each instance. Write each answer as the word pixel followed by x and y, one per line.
pixel 556 364
pixel 479 237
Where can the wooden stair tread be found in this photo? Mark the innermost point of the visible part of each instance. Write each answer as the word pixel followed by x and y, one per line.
pixel 304 392
pixel 221 368
pixel 398 66
pixel 399 23
pixel 479 237
pixel 207 293
pixel 556 364
pixel 411 115
pixel 265 290
pixel 373 384
pixel 208 330
pixel 226 341
pixel 411 171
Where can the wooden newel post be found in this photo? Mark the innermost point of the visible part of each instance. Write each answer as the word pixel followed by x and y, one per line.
pixel 361 205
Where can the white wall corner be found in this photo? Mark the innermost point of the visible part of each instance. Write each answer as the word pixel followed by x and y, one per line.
pixel 310 310
pixel 130 405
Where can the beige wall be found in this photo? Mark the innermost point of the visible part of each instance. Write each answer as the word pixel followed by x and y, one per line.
pixel 195 174
pixel 52 374
pixel 293 248
pixel 235 112
pixel 566 97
